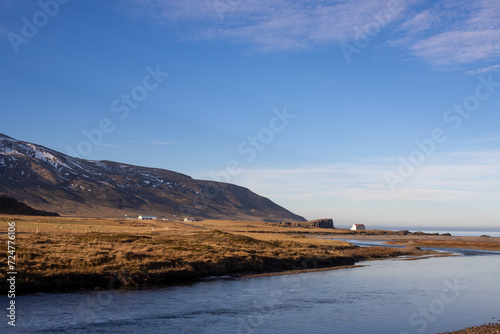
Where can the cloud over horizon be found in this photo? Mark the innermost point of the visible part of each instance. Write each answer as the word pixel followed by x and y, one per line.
pixel 452 176
pixel 450 188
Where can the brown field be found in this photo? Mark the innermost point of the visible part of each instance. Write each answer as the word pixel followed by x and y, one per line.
pixel 60 253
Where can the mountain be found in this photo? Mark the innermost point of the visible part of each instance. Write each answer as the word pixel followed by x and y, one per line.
pixel 9 205
pixel 51 181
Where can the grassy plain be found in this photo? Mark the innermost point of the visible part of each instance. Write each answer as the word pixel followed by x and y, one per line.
pixel 64 253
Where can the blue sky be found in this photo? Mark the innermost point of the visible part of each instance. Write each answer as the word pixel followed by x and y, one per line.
pixel 378 112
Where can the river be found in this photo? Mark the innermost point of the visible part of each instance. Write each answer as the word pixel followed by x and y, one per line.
pixel 390 296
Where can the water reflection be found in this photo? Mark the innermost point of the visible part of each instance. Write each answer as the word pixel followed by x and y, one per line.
pixel 425 296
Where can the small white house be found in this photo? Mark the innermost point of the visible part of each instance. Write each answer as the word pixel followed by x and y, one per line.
pixel 144 217
pixel 358 227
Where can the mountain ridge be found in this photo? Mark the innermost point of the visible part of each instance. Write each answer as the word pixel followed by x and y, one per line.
pixel 52 181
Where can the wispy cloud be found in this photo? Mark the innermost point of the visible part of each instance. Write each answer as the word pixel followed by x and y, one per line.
pixel 482 70
pixel 460 32
pixel 109 145
pixel 103 147
pixel 446 33
pixel 150 142
pixel 453 48
pixel 447 177
pixel 274 24
pixel 421 21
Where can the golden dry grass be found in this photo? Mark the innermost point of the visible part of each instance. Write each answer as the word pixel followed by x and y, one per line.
pixel 65 254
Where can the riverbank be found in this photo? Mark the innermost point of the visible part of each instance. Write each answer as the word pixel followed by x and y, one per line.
pixel 427 240
pixel 67 254
pixel 466 243
pixel 485 329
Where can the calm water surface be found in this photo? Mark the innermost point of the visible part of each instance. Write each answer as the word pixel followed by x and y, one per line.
pixel 424 296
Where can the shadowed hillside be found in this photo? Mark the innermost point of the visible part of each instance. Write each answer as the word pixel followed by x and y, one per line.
pixel 9 205
pixel 52 181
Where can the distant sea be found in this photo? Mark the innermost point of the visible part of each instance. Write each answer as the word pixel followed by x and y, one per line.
pixel 460 233
pixel 457 232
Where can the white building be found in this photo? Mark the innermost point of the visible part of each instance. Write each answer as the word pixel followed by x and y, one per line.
pixel 144 217
pixel 358 227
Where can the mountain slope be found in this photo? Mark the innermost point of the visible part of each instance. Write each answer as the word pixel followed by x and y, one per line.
pixel 11 206
pixel 51 181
